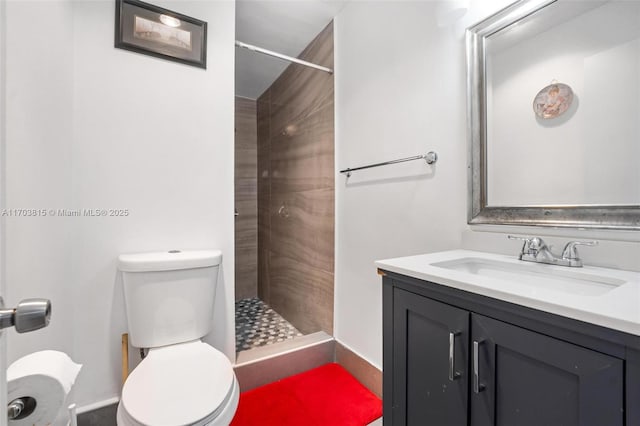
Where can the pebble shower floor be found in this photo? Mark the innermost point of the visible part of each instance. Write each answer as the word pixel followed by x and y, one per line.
pixel 257 324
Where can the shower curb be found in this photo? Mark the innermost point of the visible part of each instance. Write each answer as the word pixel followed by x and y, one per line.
pixel 259 366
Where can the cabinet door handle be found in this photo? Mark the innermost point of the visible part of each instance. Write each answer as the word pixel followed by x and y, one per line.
pixel 453 374
pixel 477 387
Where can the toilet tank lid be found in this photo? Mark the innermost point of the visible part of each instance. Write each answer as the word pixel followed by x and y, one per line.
pixel 168 260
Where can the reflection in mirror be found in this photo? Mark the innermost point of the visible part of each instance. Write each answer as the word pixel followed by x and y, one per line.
pixel 554 100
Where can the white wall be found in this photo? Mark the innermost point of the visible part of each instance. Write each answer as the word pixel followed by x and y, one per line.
pixel 400 91
pixel 39 97
pixel 99 127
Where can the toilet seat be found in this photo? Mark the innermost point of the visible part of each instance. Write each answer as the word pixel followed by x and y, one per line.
pixel 221 417
pixel 185 384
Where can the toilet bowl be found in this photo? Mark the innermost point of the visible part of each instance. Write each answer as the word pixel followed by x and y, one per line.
pixel 169 299
pixel 185 384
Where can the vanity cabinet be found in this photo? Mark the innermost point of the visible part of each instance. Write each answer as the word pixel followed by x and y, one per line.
pixel 457 358
pixel 430 340
pixel 527 378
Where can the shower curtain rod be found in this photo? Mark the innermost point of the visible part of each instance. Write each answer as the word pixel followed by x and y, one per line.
pixel 281 56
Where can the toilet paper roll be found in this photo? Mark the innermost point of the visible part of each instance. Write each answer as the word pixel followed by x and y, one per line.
pixel 46 376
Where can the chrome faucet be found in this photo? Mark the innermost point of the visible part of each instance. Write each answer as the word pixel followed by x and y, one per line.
pixel 534 249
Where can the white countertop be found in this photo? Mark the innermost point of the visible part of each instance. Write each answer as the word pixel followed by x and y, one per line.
pixel 618 309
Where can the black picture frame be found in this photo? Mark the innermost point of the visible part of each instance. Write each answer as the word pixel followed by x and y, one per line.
pixel 152 30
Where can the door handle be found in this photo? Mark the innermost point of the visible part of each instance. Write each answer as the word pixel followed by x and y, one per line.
pixel 29 315
pixel 477 387
pixel 453 374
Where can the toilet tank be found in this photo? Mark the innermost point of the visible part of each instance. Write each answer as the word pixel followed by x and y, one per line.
pixel 169 296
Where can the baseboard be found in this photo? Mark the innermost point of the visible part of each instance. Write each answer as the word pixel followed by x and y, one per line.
pixel 360 368
pixel 277 349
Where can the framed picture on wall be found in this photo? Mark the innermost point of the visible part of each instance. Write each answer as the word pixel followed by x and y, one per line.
pixel 152 30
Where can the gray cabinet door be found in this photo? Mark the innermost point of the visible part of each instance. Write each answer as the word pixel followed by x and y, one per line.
pixel 526 378
pixel 424 333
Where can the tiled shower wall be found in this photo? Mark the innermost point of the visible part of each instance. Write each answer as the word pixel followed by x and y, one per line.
pixel 246 204
pixel 296 191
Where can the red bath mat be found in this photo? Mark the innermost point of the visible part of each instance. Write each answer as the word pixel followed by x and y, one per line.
pixel 324 396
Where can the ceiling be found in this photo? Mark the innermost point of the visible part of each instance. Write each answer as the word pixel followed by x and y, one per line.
pixel 285 27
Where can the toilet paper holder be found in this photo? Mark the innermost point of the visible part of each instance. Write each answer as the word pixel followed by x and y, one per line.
pixel 38 385
pixel 29 315
pixel 21 407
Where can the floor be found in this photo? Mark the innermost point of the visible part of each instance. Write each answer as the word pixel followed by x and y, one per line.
pixel 259 325
pixel 104 416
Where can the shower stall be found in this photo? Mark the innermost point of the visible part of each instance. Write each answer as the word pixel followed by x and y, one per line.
pixel 284 189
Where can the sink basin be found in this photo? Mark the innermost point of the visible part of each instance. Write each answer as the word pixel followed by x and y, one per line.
pixel 543 277
pixel 603 296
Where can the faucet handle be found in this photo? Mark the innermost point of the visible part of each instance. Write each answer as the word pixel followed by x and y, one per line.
pixel 536 244
pixel 570 251
pixel 531 248
pixel 525 246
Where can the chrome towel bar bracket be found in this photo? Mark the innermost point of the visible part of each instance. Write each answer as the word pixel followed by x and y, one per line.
pixel 430 157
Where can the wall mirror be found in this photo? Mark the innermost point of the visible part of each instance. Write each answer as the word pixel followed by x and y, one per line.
pixel 554 115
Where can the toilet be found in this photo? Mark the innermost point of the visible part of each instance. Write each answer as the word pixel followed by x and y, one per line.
pixel 169 298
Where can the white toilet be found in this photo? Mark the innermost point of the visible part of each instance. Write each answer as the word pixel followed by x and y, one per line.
pixel 182 381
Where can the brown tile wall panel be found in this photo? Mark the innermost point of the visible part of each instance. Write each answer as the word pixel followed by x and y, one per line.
pixel 296 170
pixel 301 91
pixel 246 227
pixel 245 123
pixel 303 295
pixel 304 231
pixel 303 159
pixel 246 273
pixel 246 199
pixel 264 195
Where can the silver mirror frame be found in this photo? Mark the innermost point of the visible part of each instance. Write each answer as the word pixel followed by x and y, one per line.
pixel 622 217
